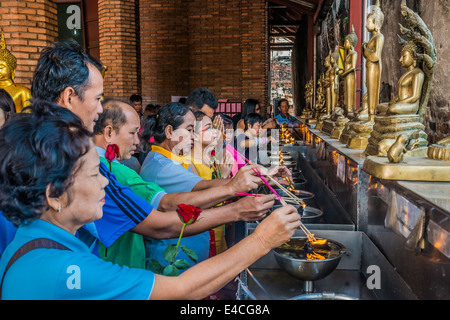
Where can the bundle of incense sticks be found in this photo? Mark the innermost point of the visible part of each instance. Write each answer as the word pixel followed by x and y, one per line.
pixel 308 233
pixel 247 194
pixel 268 185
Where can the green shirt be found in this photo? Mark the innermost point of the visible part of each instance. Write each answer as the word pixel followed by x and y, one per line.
pixel 129 249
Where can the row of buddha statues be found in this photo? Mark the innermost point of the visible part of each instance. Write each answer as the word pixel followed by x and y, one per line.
pixel 394 129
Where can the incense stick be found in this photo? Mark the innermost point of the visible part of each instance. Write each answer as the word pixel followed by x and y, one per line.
pixel 308 233
pixel 292 196
pixel 268 185
pixel 247 194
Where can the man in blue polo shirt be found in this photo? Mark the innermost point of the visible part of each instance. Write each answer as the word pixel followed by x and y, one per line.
pixel 284 117
pixel 70 78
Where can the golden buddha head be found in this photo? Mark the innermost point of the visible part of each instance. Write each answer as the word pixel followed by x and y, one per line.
pixel 375 19
pixel 410 54
pixel 334 57
pixel 8 62
pixel 327 63
pixel 351 39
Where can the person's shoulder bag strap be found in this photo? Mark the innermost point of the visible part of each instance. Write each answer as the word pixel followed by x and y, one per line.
pixel 29 246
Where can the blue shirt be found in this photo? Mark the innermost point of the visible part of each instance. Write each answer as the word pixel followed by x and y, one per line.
pixel 7 232
pixel 122 211
pixel 168 174
pixel 50 274
pixel 280 118
pixel 172 177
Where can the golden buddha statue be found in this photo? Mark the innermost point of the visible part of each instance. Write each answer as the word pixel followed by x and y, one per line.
pixel 327 83
pixel 372 52
pixel 326 88
pixel 349 75
pixel 349 72
pixel 308 112
pixel 403 115
pixel 320 105
pixel 8 63
pixel 333 91
pixel 334 61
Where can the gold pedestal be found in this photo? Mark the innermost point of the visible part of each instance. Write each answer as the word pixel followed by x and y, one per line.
pixel 359 135
pixel 358 142
pixel 339 128
pixel 388 128
pixel 328 126
pixel 337 132
pixel 412 169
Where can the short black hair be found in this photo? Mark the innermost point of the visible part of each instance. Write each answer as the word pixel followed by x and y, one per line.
pixel 135 98
pixel 171 113
pixel 200 97
pixel 39 149
pixel 62 65
pixel 281 101
pixel 253 118
pixel 112 114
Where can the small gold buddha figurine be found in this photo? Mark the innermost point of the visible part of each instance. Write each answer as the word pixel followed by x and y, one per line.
pixel 308 112
pixel 320 107
pixel 349 75
pixel 403 115
pixel 349 72
pixel 334 62
pixel 8 63
pixel 363 123
pixel 333 91
pixel 320 97
pixel 372 52
pixel 327 83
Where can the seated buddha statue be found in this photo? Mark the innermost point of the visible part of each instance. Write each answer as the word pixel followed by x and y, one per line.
pixel 410 86
pixel 8 63
pixel 404 114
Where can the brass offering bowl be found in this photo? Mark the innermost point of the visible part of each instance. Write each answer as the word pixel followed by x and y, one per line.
pixel 292 259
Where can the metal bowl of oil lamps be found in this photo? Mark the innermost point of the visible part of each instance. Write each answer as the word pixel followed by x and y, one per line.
pixel 299 180
pixel 297 186
pixel 300 194
pixel 288 164
pixel 278 153
pixel 293 258
pixel 277 158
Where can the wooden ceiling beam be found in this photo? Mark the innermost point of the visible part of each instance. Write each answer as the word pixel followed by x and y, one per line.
pixel 294 6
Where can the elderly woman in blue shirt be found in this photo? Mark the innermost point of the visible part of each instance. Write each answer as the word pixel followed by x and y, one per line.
pixel 50 186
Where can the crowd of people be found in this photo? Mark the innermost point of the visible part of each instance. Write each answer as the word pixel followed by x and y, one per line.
pixel 78 223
